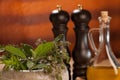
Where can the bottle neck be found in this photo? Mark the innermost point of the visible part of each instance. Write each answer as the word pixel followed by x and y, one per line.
pixel 104 26
pixel 104 22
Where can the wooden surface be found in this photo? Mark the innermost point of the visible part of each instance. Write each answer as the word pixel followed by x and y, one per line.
pixel 24 21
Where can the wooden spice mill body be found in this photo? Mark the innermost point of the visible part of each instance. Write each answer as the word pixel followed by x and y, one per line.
pixel 59 19
pixel 81 53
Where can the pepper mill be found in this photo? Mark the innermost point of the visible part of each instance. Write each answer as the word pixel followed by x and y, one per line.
pixel 81 53
pixel 59 19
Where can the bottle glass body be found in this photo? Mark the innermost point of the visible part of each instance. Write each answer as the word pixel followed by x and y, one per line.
pixel 105 62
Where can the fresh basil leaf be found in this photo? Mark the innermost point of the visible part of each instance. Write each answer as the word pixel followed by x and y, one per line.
pixel 26 48
pixel 33 53
pixel 44 48
pixel 15 51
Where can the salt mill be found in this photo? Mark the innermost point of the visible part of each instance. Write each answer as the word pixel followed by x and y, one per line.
pixel 59 19
pixel 81 53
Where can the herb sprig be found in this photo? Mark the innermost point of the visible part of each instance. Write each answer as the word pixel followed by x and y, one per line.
pixel 47 56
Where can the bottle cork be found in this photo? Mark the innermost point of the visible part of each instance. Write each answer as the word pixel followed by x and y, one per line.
pixel 104 16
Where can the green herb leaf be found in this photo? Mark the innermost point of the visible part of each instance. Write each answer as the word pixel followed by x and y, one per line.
pixel 15 51
pixel 43 49
pixel 12 62
pixel 39 66
pixel 30 64
pixel 33 53
pixel 26 48
pixel 58 38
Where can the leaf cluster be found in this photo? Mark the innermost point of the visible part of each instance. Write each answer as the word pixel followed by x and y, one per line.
pixel 48 57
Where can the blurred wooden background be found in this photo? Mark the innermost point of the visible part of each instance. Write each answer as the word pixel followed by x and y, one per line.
pixel 24 21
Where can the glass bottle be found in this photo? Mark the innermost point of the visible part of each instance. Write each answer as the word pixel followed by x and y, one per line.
pixel 104 56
